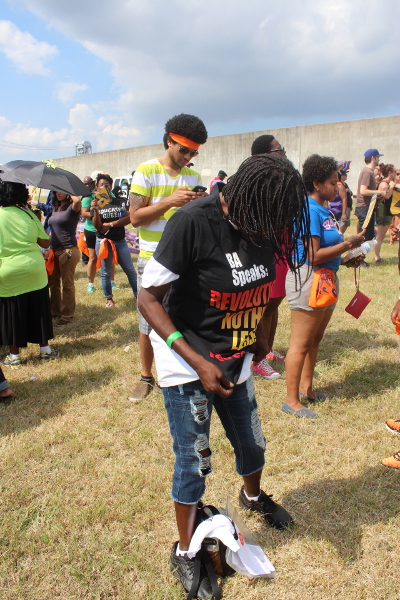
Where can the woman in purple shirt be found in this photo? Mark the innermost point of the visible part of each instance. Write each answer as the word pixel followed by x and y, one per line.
pixel 63 223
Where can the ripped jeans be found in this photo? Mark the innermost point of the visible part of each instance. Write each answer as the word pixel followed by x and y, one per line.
pixel 189 409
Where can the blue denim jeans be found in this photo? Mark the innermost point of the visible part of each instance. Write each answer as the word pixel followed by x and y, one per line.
pixel 3 381
pixel 126 264
pixel 189 409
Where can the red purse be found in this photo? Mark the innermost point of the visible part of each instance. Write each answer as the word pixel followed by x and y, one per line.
pixel 359 301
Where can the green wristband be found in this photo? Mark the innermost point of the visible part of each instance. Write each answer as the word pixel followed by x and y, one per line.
pixel 174 336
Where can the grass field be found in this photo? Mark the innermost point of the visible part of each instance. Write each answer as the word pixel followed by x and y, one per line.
pixel 85 474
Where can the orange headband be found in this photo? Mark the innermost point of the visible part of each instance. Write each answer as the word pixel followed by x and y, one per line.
pixel 184 141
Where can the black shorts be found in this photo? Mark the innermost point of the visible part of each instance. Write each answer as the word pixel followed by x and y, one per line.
pixel 90 238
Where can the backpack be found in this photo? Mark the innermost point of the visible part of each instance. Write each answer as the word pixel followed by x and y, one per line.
pixel 211 554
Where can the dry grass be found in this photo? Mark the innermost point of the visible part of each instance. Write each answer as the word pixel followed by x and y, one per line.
pixel 85 478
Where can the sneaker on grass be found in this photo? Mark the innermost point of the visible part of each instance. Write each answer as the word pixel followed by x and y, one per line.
pixel 90 288
pixel 48 355
pixel 265 370
pixel 393 426
pixel 11 362
pixel 273 513
pixel 143 388
pixel 182 568
pixel 392 461
pixel 274 355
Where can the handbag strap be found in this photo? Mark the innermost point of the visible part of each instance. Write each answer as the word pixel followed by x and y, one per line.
pixel 357 279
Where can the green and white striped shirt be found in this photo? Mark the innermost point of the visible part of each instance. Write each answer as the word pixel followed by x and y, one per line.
pixel 152 181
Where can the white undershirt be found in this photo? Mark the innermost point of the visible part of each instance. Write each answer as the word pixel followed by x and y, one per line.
pixel 172 369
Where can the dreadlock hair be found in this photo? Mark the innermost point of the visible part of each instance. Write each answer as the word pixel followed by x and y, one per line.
pixel 317 168
pixel 187 125
pixel 262 144
pixel 266 199
pixel 13 194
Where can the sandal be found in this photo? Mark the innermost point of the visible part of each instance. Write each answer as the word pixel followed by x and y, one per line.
pixel 109 303
pixel 62 322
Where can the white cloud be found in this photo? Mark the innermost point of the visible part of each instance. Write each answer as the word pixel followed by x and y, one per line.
pixel 66 91
pixel 229 62
pixel 82 118
pixel 28 54
pixel 104 133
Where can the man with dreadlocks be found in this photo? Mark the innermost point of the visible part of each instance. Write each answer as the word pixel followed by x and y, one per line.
pixel 216 260
pixel 159 187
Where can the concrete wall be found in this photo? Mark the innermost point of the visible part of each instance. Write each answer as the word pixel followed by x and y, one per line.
pixel 345 140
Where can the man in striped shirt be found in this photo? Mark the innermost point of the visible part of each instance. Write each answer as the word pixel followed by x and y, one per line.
pixel 159 187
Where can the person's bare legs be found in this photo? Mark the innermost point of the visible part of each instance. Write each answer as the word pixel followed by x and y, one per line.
pixel 185 519
pixel 380 236
pixel 252 483
pixel 146 354
pixel 304 326
pixel 307 373
pixel 270 319
pixel 91 266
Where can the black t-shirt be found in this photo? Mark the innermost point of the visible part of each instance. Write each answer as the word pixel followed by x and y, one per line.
pixel 63 226
pixel 224 284
pixel 114 210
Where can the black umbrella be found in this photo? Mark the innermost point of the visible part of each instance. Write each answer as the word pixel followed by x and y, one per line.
pixel 45 174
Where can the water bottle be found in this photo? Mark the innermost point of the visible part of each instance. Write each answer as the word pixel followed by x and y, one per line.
pixel 363 249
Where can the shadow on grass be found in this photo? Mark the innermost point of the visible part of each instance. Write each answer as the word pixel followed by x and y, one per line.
pixel 34 404
pixel 392 260
pixel 337 510
pixel 336 342
pixel 364 381
pixel 84 334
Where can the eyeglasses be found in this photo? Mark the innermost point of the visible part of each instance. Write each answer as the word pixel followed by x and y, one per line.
pixel 183 150
pixel 278 150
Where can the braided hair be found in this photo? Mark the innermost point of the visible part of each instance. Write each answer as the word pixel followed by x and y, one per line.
pixel 266 199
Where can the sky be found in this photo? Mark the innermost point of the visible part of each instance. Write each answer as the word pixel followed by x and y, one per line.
pixel 114 72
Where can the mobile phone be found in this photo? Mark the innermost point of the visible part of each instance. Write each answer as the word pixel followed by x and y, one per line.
pixel 199 188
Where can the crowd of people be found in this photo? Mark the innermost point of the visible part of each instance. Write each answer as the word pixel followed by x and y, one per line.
pixel 212 271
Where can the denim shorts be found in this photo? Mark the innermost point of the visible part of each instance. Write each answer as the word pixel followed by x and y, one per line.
pixel 298 292
pixel 144 327
pixel 189 409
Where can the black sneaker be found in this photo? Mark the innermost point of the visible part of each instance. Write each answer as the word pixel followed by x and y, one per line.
pixel 272 512
pixel 182 568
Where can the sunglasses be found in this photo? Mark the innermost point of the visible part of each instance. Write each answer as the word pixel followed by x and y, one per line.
pixel 183 150
pixel 278 150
